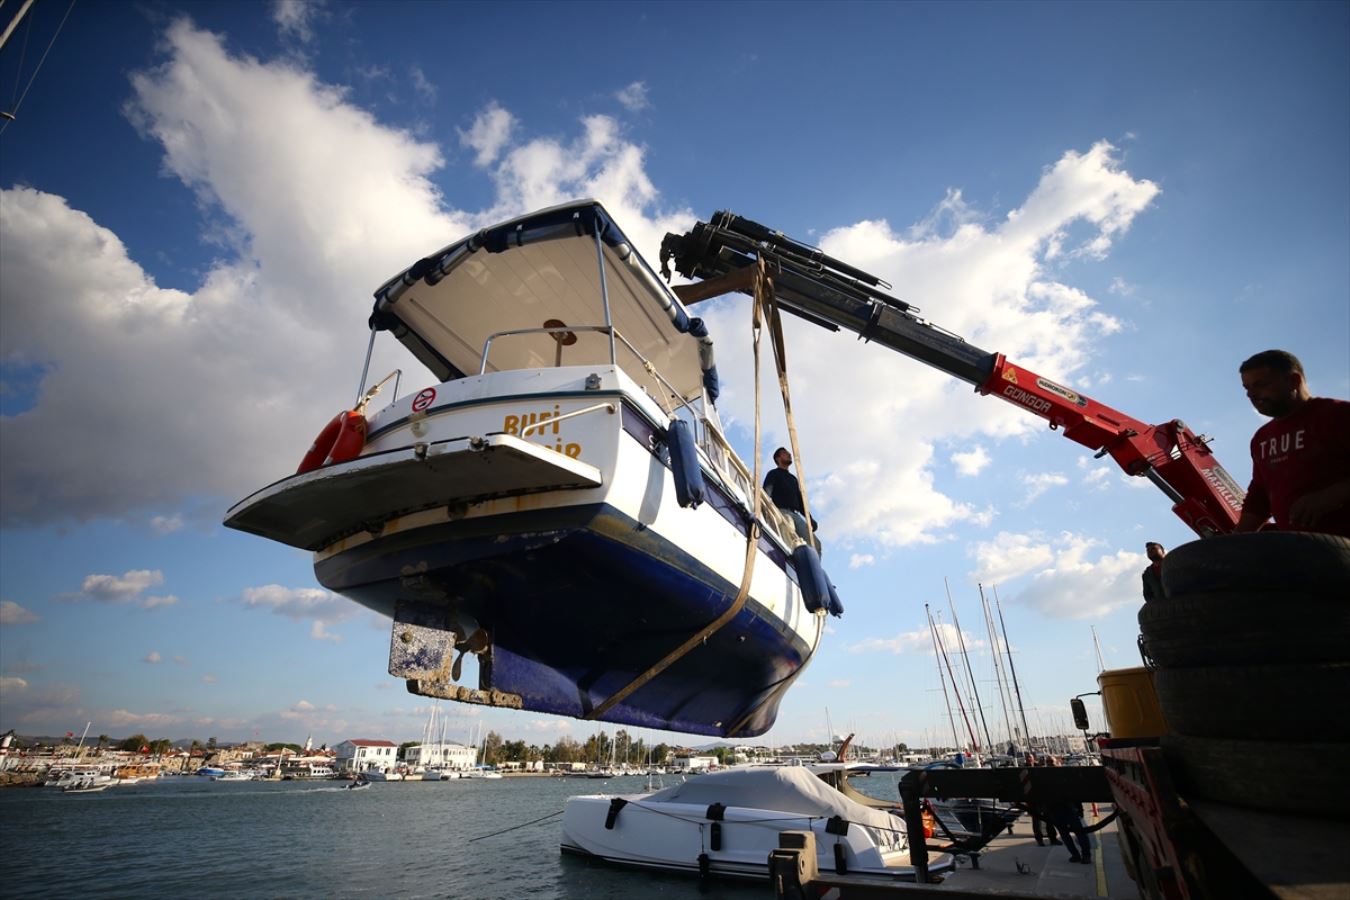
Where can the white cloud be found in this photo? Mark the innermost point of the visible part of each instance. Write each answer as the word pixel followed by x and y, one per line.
pixel 12 613
pixel 209 679
pixel 1040 483
pixel 920 640
pixel 261 144
pixel 425 89
pixel 120 588
pixel 300 604
pixel 633 97
pixel 837 683
pixel 1009 556
pixel 1075 586
pixel 1067 583
pixel 546 726
pixel 303 706
pixel 318 632
pixel 858 560
pixel 490 133
pixel 153 657
pixel 12 684
pixel 182 661
pixel 119 719
pixel 155 601
pixel 1098 479
pixel 996 288
pixel 166 524
pixel 295 18
pixel 971 462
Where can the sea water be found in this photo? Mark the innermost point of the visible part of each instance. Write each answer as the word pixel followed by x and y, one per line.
pixel 184 836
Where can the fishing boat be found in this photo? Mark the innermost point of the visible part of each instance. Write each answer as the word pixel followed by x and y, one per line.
pixel 70 778
pixel 87 785
pixel 727 823
pixel 560 503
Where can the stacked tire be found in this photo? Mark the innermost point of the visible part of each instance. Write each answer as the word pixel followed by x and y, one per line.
pixel 1252 653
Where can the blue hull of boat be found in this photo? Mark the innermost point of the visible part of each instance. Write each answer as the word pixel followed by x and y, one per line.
pixel 579 606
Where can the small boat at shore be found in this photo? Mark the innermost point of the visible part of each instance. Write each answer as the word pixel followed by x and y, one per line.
pixel 727 823
pixel 87 786
pixel 561 502
pixel 379 775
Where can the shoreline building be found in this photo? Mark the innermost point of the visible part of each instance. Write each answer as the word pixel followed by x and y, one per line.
pixel 363 755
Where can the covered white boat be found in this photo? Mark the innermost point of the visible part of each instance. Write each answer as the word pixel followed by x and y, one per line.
pixel 561 502
pixel 727 823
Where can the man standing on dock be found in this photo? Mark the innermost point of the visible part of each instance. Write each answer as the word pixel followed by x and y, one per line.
pixel 1301 457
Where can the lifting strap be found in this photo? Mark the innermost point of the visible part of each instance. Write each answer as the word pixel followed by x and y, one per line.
pixel 780 360
pixel 763 296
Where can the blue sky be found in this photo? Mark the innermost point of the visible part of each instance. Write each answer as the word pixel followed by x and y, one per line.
pixel 198 201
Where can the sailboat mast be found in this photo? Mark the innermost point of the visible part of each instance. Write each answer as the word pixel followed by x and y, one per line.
pixel 1000 681
pixel 932 632
pixel 14 22
pixel 974 740
pixel 979 706
pixel 1101 663
pixel 79 751
pixel 1021 710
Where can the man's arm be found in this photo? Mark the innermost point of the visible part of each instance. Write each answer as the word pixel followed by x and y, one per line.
pixel 1256 505
pixel 1309 510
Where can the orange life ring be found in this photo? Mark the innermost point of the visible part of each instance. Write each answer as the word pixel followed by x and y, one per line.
pixel 351 438
pixel 340 440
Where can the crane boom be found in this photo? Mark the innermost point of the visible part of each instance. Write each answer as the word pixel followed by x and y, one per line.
pixel 835 295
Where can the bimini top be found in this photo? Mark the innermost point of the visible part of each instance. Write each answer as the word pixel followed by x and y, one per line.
pixel 542 271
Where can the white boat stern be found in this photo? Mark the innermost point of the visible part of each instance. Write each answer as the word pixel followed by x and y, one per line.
pixel 312 510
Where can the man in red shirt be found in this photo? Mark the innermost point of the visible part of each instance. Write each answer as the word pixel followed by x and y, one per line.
pixel 1301 458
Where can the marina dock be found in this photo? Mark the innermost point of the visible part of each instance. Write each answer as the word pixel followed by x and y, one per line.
pixel 1012 866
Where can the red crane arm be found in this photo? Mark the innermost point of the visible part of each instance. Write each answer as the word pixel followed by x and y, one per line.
pixel 1172 456
pixel 835 295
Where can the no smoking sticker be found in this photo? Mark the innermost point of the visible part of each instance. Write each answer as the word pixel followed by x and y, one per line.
pixel 423 399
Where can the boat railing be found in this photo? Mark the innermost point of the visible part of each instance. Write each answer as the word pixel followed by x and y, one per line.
pixel 671 392
pixel 713 443
pixel 720 453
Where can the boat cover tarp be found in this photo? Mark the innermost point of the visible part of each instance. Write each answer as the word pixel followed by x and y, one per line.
pixel 783 788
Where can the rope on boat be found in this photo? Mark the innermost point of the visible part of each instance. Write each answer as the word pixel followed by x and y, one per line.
pixel 764 296
pixel 517 827
pixel 763 291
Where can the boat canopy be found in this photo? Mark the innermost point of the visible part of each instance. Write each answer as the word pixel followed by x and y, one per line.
pixel 532 293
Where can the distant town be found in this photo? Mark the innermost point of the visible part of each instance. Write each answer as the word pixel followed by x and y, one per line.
pixel 33 760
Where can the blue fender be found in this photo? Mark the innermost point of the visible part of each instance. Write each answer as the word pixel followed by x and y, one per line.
pixel 836 606
pixel 811 577
pixel 689 489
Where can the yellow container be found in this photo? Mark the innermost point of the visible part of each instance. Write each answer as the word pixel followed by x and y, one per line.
pixel 1131 705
